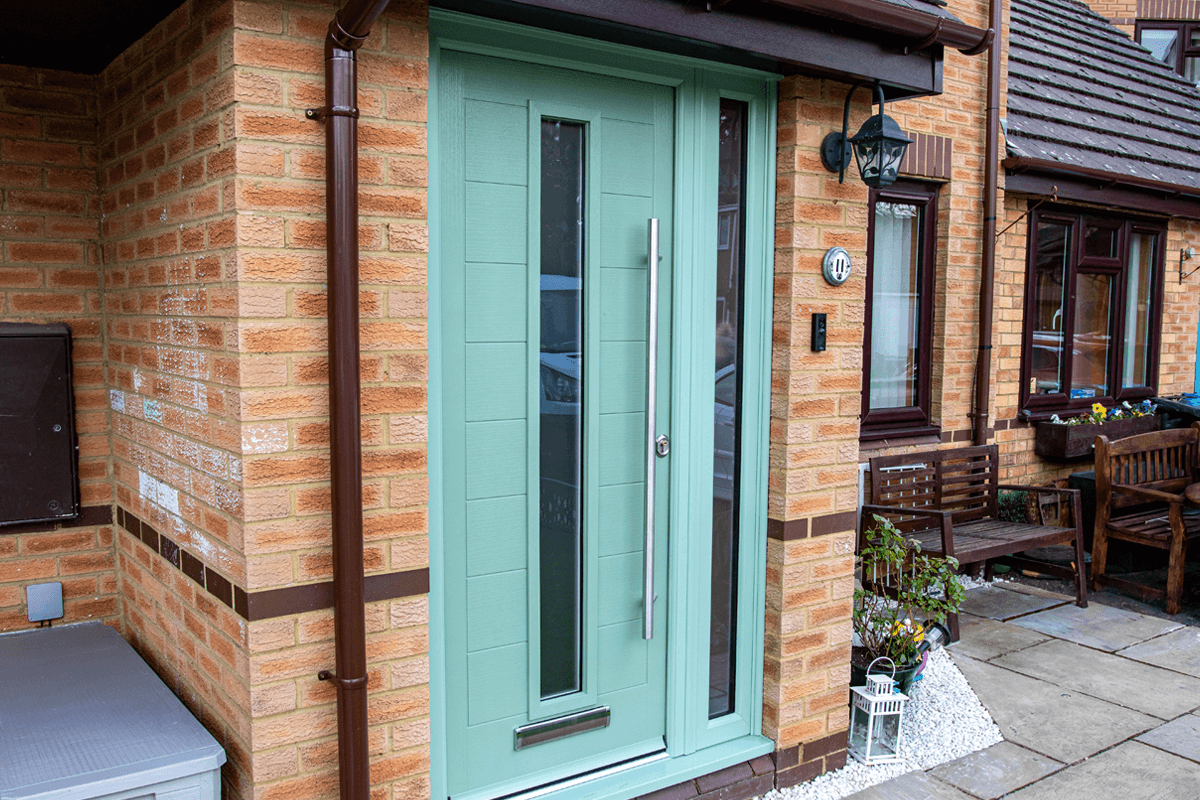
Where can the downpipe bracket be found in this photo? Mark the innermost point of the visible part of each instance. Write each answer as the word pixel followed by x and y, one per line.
pixel 342 683
pixel 319 114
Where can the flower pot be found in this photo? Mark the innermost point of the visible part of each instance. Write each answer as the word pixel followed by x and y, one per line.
pixel 1060 442
pixel 904 674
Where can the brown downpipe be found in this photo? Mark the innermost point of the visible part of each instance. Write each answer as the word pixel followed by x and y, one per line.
pixel 987 278
pixel 347 32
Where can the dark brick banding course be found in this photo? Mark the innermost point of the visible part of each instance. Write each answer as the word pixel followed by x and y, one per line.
pixel 760 775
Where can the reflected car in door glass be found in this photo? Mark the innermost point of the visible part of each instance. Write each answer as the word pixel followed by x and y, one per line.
pixel 725 414
pixel 560 351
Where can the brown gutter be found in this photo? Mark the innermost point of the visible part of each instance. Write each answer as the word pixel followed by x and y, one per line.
pixel 918 26
pixel 987 278
pixel 1023 163
pixel 347 32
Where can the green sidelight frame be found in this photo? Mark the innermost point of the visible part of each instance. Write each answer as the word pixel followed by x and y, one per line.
pixel 695 745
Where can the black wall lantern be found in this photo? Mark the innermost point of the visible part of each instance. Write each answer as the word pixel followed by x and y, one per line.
pixel 879 146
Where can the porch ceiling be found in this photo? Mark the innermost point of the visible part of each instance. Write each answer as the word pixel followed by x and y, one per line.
pixel 74 35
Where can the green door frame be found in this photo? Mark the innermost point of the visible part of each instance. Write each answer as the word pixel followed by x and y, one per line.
pixel 695 744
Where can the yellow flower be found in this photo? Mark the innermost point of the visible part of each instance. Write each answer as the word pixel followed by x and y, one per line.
pixel 1099 410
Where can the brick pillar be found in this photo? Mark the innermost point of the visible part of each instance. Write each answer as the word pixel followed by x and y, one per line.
pixel 815 406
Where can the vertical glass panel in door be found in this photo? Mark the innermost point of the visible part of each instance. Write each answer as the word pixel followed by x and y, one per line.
pixel 1135 370
pixel 1049 308
pixel 731 213
pixel 895 306
pixel 561 367
pixel 1089 361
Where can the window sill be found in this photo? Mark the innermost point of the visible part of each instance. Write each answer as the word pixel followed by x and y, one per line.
pixel 871 440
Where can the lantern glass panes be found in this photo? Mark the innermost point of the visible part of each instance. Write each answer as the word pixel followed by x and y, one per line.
pixel 876 713
pixel 879 147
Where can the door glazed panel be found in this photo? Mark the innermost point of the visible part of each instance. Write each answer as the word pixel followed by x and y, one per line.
pixel 544 358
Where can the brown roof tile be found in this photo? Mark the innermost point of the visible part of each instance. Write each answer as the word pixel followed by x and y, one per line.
pixel 1082 94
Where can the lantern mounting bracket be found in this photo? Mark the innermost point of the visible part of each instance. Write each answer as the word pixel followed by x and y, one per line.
pixel 879 136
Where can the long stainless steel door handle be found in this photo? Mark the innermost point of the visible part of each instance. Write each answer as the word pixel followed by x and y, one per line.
pixel 651 432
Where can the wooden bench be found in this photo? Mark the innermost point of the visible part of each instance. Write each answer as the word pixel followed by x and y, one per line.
pixel 1140 484
pixel 947 501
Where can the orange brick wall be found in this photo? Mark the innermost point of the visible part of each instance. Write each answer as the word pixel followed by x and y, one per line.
pixel 193 177
pixel 50 272
pixel 165 167
pixel 279 192
pixel 815 403
pixel 814 423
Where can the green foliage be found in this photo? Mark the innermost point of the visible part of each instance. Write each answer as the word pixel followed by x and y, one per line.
pixel 927 589
pixel 1013 506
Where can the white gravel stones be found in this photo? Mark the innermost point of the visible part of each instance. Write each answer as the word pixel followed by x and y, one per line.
pixel 969 582
pixel 943 721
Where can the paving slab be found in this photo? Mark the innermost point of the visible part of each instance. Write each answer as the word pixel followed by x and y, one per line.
pixel 1101 627
pixel 1001 604
pixel 1057 722
pixel 1132 771
pixel 1178 650
pixel 910 786
pixel 1122 681
pixel 984 639
pixel 1181 737
pixel 997 770
pixel 1013 586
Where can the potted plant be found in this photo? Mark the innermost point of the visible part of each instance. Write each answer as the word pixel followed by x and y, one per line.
pixel 921 590
pixel 1064 439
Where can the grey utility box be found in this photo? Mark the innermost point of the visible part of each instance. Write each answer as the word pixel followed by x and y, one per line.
pixel 83 717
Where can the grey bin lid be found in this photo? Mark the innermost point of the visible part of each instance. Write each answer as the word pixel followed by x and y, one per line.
pixel 81 715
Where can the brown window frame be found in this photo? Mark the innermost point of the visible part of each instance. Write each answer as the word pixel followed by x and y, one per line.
pixel 1185 27
pixel 1043 406
pixel 914 420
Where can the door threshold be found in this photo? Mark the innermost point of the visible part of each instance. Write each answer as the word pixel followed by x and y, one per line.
pixel 596 774
pixel 640 775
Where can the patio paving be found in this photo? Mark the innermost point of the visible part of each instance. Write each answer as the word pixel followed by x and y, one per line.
pixel 1181 737
pixel 1098 626
pixel 1000 604
pixel 1178 650
pixel 984 639
pixel 1145 688
pixel 997 770
pixel 1132 771
pixel 1042 716
pixel 1099 703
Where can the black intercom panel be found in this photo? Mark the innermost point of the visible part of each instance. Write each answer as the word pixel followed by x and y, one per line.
pixel 39 477
pixel 818 333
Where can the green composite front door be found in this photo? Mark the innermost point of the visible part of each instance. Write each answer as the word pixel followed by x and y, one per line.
pixel 549 182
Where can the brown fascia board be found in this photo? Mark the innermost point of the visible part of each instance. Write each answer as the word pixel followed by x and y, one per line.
pixel 1175 199
pixel 917 26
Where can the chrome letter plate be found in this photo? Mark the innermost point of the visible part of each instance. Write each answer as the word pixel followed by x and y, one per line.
pixel 567 725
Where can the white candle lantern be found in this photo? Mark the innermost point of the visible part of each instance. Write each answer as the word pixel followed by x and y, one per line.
pixel 876 712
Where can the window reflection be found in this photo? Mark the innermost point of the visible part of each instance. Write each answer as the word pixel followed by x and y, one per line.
pixel 1162 44
pixel 1089 363
pixel 1139 282
pixel 895 306
pixel 726 408
pixel 561 420
pixel 1050 273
